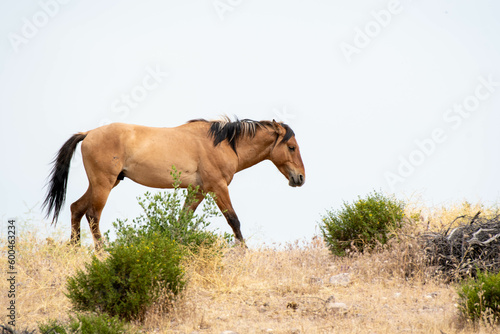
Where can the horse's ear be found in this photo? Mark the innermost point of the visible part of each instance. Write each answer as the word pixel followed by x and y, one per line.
pixel 280 130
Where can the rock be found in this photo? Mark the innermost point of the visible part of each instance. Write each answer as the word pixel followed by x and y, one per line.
pixel 428 309
pixel 431 295
pixel 341 279
pixel 316 281
pixel 336 307
pixel 331 305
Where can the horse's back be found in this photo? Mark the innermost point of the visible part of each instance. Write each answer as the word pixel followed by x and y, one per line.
pixel 145 154
pixel 138 137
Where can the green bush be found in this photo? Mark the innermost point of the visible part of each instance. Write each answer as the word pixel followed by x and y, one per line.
pixel 480 298
pixel 144 262
pixel 166 213
pixel 6 329
pixel 362 224
pixel 130 279
pixel 86 324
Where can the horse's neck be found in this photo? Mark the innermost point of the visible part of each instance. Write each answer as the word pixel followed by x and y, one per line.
pixel 251 151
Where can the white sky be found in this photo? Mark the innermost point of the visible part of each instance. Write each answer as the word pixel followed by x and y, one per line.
pixel 64 67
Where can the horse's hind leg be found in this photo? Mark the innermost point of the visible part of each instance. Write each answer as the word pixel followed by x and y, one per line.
pixel 194 202
pixel 78 209
pixel 97 201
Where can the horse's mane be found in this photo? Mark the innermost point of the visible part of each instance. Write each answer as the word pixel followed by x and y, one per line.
pixel 225 129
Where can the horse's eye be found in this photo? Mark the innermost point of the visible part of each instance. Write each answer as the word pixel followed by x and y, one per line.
pixel 291 148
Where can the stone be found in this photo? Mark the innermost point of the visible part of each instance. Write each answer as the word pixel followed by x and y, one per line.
pixel 431 295
pixel 331 305
pixel 341 279
pixel 316 281
pixel 336 307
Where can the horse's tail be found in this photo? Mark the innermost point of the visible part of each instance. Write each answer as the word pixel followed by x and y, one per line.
pixel 56 193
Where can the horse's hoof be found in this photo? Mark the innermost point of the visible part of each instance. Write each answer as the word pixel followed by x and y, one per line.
pixel 241 243
pixel 73 243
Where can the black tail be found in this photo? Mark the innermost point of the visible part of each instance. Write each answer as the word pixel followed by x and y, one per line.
pixel 59 177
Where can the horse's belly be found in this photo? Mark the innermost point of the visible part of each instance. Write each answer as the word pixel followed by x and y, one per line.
pixel 152 154
pixel 161 178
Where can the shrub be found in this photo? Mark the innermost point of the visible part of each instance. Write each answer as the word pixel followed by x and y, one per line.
pixel 86 324
pixel 363 224
pixel 144 262
pixel 11 330
pixel 480 298
pixel 129 280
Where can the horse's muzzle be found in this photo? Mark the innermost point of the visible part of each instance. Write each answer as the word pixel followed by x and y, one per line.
pixel 296 180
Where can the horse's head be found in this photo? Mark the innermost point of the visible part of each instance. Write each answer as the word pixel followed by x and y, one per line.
pixel 286 155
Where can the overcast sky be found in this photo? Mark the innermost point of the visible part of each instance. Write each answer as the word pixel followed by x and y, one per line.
pixel 397 96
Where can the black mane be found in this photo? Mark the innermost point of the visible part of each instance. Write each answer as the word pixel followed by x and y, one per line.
pixel 232 131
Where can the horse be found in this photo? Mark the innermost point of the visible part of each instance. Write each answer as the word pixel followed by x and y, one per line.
pixel 205 154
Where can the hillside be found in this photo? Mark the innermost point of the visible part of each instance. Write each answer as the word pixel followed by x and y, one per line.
pixel 294 288
pixel 287 289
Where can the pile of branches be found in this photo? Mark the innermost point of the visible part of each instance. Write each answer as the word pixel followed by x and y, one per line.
pixel 464 250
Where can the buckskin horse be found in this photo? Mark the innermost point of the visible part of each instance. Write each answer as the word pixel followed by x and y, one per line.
pixel 205 153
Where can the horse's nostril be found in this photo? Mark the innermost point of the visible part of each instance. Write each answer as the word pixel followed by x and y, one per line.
pixel 301 178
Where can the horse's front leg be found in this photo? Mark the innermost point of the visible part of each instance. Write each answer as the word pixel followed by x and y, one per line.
pixel 224 203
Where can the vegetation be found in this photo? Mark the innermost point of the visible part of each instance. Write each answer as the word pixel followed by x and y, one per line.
pixel 362 224
pixel 479 298
pixel 87 324
pixel 279 288
pixel 166 214
pixel 470 246
pixel 144 262
pixel 129 280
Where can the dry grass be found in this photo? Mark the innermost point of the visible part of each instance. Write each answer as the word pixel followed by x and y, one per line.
pixel 442 217
pixel 42 268
pixel 268 290
pixel 285 291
